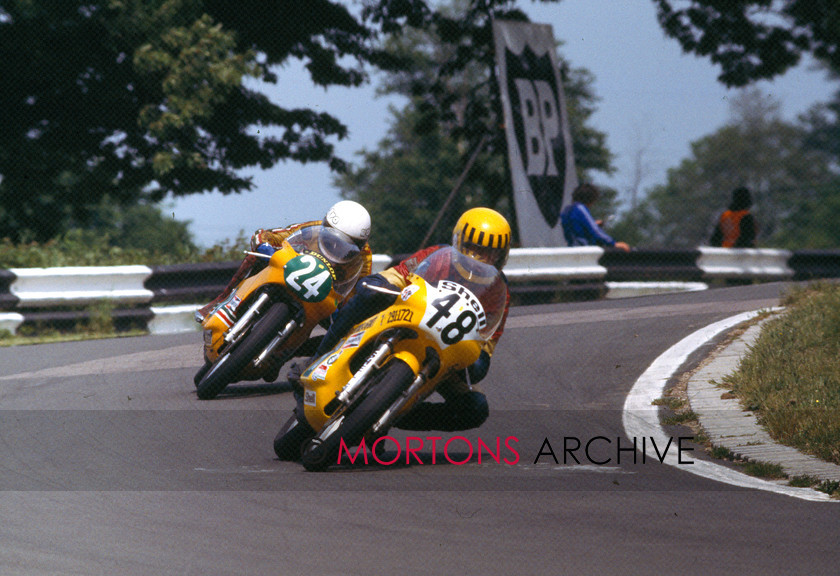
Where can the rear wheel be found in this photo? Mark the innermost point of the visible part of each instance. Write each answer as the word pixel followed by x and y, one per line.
pixel 352 425
pixel 227 367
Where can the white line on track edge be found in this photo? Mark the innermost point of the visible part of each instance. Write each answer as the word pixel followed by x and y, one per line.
pixel 641 417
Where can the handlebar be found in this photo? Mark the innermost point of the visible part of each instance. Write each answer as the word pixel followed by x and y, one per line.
pixel 258 254
pixel 381 289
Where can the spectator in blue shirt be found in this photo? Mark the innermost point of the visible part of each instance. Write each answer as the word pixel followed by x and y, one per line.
pixel 579 228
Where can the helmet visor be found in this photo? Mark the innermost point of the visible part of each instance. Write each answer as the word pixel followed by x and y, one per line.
pixel 344 254
pixel 493 256
pixel 359 242
pixel 337 246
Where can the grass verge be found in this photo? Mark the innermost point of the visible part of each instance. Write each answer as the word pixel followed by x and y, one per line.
pixel 812 311
pixel 98 323
pixel 791 376
pixel 7 339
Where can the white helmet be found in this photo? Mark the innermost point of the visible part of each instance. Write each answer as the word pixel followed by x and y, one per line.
pixel 351 218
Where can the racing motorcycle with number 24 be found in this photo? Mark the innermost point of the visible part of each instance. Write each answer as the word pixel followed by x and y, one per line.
pixel 270 314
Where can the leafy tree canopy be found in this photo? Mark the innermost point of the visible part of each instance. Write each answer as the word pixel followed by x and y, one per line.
pixel 135 99
pixel 791 168
pixel 754 39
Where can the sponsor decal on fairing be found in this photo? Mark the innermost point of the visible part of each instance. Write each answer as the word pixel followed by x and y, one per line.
pixel 309 397
pixel 408 292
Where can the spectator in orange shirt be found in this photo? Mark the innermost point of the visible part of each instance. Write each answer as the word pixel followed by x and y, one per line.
pixel 736 226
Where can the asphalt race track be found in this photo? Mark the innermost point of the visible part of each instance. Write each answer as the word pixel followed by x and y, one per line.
pixel 110 465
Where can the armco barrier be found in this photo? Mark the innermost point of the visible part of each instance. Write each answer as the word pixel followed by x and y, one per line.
pixel 526 265
pixel 46 287
pixel 652 266
pixel 538 275
pixel 745 263
pixel 813 264
pixel 192 282
pixel 145 295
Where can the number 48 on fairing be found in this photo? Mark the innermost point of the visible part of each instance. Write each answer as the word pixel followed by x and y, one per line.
pixel 454 313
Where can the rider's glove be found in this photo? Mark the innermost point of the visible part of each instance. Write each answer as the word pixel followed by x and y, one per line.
pixel 266 248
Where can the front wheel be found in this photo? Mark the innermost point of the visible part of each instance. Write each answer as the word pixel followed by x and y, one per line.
pixel 292 438
pixel 227 367
pixel 352 425
pixel 201 372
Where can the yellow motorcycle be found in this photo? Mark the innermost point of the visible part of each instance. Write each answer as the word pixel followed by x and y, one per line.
pixel 270 314
pixel 394 359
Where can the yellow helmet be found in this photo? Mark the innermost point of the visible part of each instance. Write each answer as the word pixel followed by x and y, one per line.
pixel 483 234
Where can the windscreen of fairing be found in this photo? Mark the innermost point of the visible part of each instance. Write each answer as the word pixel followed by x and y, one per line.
pixel 338 248
pixel 484 281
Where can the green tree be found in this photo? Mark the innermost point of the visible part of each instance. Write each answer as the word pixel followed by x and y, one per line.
pixel 756 149
pixel 754 39
pixel 761 39
pixel 134 99
pixel 453 111
pixel 141 227
pixel 404 183
pixel 815 223
pixel 822 122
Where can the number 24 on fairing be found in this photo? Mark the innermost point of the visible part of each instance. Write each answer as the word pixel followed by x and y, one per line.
pixel 308 277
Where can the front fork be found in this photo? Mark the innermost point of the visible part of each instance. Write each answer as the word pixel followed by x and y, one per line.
pixel 430 368
pixel 254 310
pixel 348 394
pixel 248 318
pixel 290 327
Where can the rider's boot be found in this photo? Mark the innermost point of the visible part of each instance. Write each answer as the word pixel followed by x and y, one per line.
pixel 295 370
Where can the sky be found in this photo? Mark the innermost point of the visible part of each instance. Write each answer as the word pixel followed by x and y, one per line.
pixel 654 101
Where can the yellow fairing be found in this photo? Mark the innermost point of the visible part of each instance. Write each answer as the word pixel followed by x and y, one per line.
pixel 215 325
pixel 332 371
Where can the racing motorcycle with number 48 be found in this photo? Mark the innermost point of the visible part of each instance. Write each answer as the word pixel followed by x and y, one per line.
pixel 394 359
pixel 270 314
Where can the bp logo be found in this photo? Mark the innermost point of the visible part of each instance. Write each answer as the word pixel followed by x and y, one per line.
pixel 534 98
pixel 308 277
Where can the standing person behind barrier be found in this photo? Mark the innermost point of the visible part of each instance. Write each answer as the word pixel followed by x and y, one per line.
pixel 579 228
pixel 736 226
pixel 480 233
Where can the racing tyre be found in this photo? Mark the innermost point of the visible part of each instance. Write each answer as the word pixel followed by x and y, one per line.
pixel 201 372
pixel 291 439
pixel 228 366
pixel 352 425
